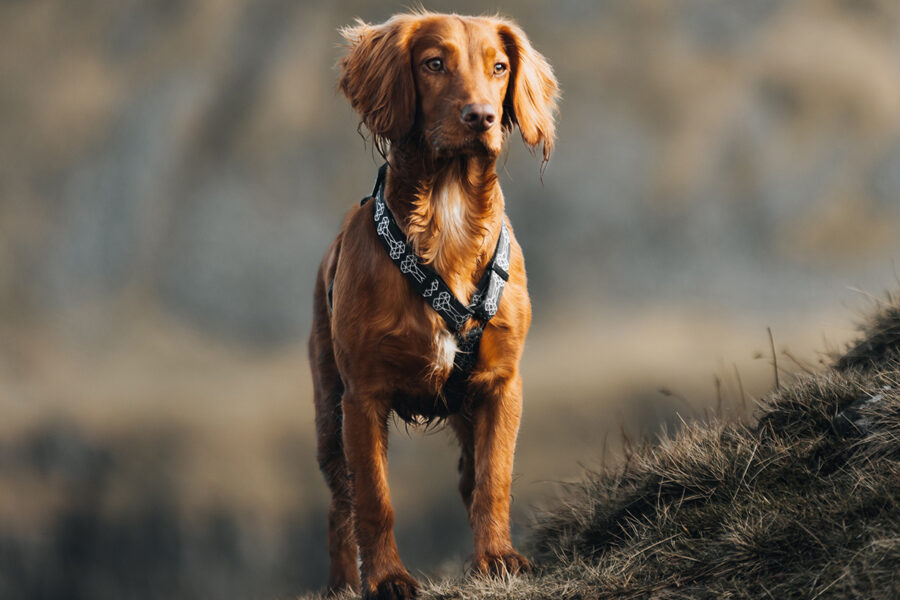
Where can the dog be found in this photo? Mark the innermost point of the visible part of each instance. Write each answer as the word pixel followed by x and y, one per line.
pixel 439 94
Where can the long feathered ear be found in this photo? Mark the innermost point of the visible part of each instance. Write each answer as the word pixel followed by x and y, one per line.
pixel 532 93
pixel 377 78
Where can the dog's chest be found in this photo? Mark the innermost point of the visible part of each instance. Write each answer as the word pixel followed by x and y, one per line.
pixel 422 399
pixel 450 210
pixel 452 237
pixel 443 353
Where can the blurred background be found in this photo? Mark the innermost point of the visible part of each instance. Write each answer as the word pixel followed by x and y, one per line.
pixel 171 172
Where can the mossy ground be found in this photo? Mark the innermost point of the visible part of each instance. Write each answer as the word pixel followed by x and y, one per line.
pixel 802 503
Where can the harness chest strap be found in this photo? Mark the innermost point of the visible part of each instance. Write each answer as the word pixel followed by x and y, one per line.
pixel 435 291
pixel 427 281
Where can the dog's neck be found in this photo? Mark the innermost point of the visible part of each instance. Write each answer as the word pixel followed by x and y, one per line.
pixel 450 209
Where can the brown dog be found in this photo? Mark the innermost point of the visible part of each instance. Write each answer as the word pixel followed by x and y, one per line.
pixel 441 92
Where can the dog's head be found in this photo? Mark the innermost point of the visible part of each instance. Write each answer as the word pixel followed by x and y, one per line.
pixel 457 84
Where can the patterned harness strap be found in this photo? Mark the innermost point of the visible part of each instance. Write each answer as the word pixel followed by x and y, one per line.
pixel 435 291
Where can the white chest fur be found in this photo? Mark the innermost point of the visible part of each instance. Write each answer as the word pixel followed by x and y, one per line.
pixel 453 238
pixel 450 207
pixel 444 352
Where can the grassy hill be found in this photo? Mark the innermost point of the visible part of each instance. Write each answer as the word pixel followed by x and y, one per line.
pixel 803 503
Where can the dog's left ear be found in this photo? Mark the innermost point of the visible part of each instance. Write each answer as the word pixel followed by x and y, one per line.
pixel 531 96
pixel 376 76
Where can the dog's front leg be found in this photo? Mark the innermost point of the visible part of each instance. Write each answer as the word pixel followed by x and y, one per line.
pixel 365 445
pixel 496 425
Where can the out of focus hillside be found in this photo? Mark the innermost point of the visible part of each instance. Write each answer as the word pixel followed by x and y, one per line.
pixel 801 503
pixel 171 172
pixel 196 154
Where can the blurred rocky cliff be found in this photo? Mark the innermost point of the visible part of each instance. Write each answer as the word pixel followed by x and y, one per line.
pixel 171 172
pixel 195 155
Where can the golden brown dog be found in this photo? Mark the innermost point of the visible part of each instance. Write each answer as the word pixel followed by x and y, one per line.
pixel 439 93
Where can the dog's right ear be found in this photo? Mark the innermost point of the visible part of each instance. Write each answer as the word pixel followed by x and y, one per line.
pixel 377 78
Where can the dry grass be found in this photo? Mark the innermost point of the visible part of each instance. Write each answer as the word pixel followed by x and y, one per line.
pixel 801 504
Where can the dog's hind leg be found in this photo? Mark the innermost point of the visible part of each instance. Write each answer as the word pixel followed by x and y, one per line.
pixel 462 426
pixel 328 389
pixel 342 549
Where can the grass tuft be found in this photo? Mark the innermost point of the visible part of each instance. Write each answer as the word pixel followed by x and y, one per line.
pixel 804 503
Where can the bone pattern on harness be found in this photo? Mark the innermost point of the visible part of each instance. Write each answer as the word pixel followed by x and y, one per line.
pixel 484 303
pixel 502 257
pixel 491 303
pixel 442 305
pixel 410 266
pixel 432 288
pixel 396 248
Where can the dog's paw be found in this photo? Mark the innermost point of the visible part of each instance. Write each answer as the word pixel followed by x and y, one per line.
pixel 510 562
pixel 399 586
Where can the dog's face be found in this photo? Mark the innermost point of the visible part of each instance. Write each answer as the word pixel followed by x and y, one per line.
pixel 457 84
pixel 461 72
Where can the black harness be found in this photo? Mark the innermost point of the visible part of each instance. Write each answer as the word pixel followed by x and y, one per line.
pixel 435 291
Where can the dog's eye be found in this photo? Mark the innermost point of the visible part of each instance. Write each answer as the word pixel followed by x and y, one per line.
pixel 499 69
pixel 435 64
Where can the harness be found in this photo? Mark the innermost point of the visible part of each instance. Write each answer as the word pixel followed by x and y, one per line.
pixel 437 294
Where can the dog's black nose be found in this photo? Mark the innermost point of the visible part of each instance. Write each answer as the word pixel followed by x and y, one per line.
pixel 479 117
